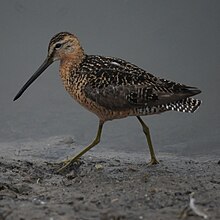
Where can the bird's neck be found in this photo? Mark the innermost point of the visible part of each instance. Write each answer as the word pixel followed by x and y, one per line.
pixel 70 63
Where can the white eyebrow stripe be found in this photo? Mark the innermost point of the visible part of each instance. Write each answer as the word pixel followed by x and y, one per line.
pixel 54 45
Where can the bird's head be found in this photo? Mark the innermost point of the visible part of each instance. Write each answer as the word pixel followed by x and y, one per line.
pixel 63 46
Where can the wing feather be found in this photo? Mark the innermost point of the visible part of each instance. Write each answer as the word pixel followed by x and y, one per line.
pixel 120 90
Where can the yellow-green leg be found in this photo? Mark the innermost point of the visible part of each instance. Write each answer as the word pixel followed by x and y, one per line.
pixel 147 134
pixel 76 157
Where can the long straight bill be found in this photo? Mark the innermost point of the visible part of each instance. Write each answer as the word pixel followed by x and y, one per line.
pixel 40 70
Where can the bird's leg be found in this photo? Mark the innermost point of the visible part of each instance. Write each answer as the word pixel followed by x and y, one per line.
pixel 147 134
pixel 76 157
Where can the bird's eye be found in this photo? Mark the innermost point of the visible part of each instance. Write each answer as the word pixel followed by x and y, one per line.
pixel 58 45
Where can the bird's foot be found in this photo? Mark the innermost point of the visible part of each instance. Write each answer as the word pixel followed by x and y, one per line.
pixel 67 163
pixel 153 161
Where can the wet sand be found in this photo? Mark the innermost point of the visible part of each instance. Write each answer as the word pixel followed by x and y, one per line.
pixel 102 185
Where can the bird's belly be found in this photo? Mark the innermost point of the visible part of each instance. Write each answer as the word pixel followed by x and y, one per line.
pixel 102 113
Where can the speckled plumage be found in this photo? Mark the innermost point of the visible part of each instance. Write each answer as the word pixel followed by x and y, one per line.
pixel 113 88
pixel 122 89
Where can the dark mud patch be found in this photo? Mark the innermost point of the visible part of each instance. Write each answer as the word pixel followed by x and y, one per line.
pixel 107 186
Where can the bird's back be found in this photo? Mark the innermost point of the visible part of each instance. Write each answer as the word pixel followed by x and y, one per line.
pixel 120 89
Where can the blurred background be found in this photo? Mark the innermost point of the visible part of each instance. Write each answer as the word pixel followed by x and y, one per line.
pixel 176 40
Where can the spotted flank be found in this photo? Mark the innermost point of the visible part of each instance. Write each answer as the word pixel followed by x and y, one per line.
pixel 186 105
pixel 119 86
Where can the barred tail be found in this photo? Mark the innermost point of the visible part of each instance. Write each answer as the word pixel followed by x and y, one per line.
pixel 185 105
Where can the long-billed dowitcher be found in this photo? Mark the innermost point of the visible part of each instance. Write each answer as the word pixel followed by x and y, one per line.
pixel 113 88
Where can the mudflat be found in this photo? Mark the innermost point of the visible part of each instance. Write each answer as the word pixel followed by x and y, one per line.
pixel 103 185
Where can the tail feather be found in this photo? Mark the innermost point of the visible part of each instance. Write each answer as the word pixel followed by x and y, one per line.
pixel 184 105
pixel 191 91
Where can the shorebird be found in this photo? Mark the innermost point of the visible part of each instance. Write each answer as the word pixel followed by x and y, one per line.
pixel 112 88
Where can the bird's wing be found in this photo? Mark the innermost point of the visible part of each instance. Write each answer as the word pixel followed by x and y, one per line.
pixel 120 90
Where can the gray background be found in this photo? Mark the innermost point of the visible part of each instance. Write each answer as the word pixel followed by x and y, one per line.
pixel 177 40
